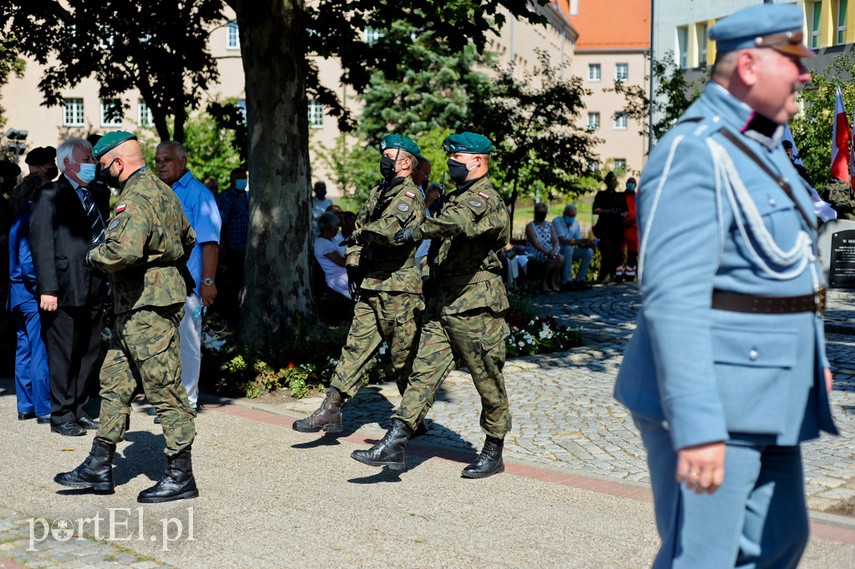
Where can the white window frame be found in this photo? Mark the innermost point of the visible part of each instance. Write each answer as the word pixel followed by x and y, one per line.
pixel 73 112
pixel 703 41
pixel 815 24
pixel 683 47
pixel 620 166
pixel 841 21
pixel 594 121
pixel 370 35
pixel 316 114
pixel 620 120
pixel 144 114
pixel 232 36
pixel 595 72
pixel 114 122
pixel 621 76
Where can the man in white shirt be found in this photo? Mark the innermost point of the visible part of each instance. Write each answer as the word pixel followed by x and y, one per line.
pixel 573 247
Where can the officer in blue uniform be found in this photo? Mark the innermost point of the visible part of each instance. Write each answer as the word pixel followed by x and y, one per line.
pixel 726 373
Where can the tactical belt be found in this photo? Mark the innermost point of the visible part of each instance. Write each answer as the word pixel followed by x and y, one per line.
pixel 736 302
pixel 463 280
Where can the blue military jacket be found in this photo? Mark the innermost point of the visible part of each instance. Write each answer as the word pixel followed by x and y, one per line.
pixel 711 219
pixel 22 275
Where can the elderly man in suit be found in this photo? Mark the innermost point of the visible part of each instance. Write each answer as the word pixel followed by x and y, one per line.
pixel 67 218
pixel 726 373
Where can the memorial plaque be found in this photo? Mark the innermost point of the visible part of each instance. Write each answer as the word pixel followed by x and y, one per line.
pixel 842 270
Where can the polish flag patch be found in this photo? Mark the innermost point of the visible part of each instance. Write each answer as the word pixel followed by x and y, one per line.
pixel 483 195
pixel 121 207
pixel 410 195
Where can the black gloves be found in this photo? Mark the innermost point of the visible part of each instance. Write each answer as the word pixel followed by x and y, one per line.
pixel 404 236
pixel 354 281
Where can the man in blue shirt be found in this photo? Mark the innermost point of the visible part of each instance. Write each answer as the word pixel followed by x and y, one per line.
pixel 234 211
pixel 200 207
pixel 573 247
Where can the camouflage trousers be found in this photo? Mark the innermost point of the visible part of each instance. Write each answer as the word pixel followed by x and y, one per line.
pixel 378 316
pixel 145 347
pixel 477 338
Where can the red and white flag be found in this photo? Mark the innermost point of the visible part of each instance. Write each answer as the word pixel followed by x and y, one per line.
pixel 840 140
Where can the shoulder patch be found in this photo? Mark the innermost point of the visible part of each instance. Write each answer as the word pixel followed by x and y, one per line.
pixel 121 207
pixel 475 203
pixel 410 195
pixel 483 195
pixel 114 224
pixel 403 207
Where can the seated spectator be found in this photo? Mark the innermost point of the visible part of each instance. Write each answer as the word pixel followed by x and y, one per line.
pixel 348 223
pixel 330 254
pixel 573 247
pixel 542 246
pixel 32 379
pixel 320 203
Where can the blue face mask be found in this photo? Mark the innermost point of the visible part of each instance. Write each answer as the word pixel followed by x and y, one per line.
pixel 86 173
pixel 240 184
pixel 630 186
pixel 569 220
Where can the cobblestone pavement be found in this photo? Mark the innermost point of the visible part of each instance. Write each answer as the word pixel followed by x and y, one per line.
pixel 565 416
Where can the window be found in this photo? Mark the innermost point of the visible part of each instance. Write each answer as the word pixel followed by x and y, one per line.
pixel 842 5
pixel 371 36
pixel 316 114
pixel 620 166
pixel 702 45
pixel 620 121
pixel 241 105
pixel 232 36
pixel 683 47
pixel 593 121
pixel 593 72
pixel 593 166
pixel 815 23
pixel 144 117
pixel 111 112
pixel 72 112
pixel 621 71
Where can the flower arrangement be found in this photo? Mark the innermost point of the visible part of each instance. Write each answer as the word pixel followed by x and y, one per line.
pixel 539 335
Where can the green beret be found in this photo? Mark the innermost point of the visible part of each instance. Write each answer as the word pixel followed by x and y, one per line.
pixel 402 142
pixel 467 143
pixel 110 141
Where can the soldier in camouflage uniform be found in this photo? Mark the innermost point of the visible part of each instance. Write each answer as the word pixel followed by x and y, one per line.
pixel 384 281
pixel 465 312
pixel 146 246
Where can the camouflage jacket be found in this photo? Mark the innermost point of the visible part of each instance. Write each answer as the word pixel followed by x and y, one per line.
pixel 147 243
pixel 467 234
pixel 388 266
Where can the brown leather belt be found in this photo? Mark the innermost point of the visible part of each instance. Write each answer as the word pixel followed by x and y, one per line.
pixel 736 302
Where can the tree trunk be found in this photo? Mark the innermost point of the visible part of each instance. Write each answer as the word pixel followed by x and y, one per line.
pixel 278 298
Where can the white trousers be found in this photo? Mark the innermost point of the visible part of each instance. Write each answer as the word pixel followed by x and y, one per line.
pixel 190 333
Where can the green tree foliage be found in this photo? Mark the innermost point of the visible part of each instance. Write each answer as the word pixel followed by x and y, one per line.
pixel 9 63
pixel 674 94
pixel 353 164
pixel 431 88
pixel 532 122
pixel 159 47
pixel 813 127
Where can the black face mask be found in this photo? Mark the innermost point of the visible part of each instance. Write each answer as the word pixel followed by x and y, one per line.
pixel 103 175
pixel 52 173
pixel 539 215
pixel 457 171
pixel 387 167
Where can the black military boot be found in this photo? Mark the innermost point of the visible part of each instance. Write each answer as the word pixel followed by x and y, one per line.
pixel 389 452
pixel 177 483
pixel 96 472
pixel 327 417
pixel 489 462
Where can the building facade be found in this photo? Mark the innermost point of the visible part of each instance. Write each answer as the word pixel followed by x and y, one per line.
pixel 83 112
pixel 614 36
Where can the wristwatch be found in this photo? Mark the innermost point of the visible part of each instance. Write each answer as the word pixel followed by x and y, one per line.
pixel 208 281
